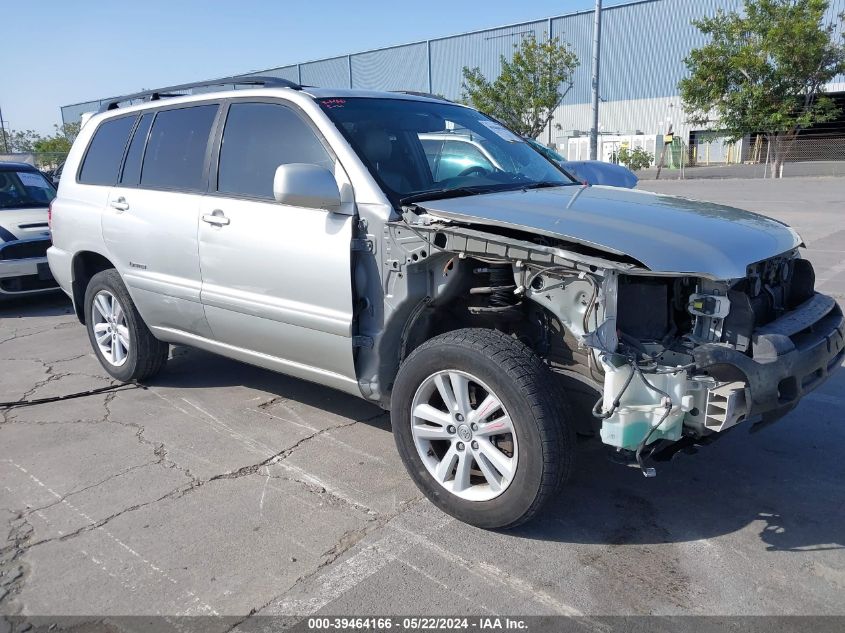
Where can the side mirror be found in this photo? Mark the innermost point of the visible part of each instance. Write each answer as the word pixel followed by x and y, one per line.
pixel 305 185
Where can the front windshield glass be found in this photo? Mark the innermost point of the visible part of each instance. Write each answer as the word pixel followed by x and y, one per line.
pixel 423 150
pixel 20 189
pixel 548 152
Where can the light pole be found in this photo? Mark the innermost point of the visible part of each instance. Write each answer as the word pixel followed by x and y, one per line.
pixel 594 129
pixel 3 133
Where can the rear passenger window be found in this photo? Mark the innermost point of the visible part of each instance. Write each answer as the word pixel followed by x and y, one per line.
pixel 102 160
pixel 259 137
pixel 132 165
pixel 176 150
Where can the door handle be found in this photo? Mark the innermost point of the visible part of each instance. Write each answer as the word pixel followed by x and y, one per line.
pixel 216 218
pixel 120 204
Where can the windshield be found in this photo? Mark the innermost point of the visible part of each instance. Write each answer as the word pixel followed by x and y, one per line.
pixel 20 189
pixel 548 152
pixel 420 150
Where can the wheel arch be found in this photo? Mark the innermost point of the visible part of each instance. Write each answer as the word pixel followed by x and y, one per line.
pixel 85 265
pixel 522 382
pixel 536 326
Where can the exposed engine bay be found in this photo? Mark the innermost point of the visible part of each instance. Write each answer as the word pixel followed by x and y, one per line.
pixel 674 357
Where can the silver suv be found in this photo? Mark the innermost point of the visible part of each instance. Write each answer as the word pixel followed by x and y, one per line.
pixel 496 311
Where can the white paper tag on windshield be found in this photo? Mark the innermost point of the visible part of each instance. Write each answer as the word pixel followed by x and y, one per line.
pixel 28 179
pixel 502 131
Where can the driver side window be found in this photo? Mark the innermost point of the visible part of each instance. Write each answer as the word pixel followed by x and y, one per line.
pixel 257 138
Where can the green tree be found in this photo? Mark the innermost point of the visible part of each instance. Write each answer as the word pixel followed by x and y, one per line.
pixel 59 142
pixel 635 159
pixel 51 149
pixel 764 71
pixel 21 141
pixel 531 85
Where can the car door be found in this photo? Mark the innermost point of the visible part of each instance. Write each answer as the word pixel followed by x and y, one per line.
pixel 276 279
pixel 150 223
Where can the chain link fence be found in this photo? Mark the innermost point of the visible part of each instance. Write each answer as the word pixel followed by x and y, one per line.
pixel 820 155
pixel 816 147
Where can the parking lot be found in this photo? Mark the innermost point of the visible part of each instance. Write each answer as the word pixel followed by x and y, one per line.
pixel 225 489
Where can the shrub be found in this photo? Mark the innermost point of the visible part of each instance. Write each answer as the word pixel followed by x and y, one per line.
pixel 635 159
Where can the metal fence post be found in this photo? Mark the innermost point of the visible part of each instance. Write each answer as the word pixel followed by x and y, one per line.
pixel 428 61
pixel 768 149
pixel 552 117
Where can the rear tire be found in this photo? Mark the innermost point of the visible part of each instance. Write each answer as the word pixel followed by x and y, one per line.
pixel 123 343
pixel 491 459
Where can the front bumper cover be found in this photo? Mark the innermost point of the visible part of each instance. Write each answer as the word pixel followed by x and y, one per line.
pixel 24 268
pixel 792 356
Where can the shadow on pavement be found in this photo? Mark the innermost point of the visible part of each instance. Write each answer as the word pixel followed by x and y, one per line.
pixel 191 368
pixel 52 304
pixel 787 479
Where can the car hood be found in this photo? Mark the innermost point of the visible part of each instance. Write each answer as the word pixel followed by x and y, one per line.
pixel 21 224
pixel 667 234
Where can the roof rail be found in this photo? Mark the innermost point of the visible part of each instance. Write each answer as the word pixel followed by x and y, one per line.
pixel 416 93
pixel 161 93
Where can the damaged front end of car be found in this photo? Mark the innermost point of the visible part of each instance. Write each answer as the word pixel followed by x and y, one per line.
pixel 696 356
pixel 677 358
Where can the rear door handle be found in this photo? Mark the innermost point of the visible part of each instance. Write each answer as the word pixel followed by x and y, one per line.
pixel 120 204
pixel 216 218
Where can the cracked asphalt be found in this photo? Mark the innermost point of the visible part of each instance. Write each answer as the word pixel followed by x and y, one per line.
pixel 225 489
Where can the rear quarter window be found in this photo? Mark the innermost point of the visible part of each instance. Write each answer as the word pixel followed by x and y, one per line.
pixel 175 153
pixel 105 152
pixel 132 166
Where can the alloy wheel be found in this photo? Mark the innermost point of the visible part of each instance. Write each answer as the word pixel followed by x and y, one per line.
pixel 110 329
pixel 464 435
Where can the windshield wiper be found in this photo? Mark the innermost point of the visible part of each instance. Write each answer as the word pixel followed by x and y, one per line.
pixel 459 192
pixel 546 184
pixel 442 194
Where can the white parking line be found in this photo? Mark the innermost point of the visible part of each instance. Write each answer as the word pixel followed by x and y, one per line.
pixel 326 436
pixel 344 576
pixel 260 448
pixel 488 571
pixel 263 493
pixel 829 273
pixel 202 606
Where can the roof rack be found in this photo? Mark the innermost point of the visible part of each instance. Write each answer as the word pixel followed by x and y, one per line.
pixel 172 91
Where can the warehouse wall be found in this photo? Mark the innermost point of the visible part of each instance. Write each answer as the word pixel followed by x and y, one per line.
pixel 643 47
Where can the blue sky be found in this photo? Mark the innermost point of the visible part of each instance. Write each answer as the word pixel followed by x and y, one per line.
pixel 71 52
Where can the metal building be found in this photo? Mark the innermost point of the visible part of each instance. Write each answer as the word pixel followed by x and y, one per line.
pixel 644 44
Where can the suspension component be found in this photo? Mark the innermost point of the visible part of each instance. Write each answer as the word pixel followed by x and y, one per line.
pixel 500 289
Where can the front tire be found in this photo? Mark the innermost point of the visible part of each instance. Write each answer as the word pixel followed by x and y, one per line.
pixel 480 426
pixel 123 343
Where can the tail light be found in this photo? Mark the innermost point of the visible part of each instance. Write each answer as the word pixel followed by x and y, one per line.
pixel 50 215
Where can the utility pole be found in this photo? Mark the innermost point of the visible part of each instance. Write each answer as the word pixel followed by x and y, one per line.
pixel 551 118
pixel 594 129
pixel 3 133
